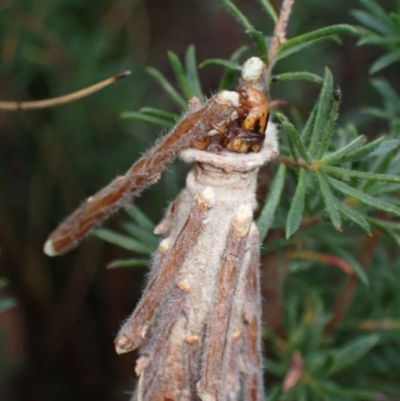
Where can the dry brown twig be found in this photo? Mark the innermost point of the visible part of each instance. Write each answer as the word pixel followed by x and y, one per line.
pixel 60 100
pixel 279 36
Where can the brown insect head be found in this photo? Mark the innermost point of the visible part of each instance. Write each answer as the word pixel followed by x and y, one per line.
pixel 246 132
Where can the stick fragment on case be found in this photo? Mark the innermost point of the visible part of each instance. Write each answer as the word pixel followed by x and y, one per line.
pixel 194 126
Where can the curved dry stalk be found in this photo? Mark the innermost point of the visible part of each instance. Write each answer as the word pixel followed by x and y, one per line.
pixel 279 36
pixel 60 100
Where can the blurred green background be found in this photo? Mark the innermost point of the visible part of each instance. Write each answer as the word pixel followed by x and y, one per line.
pixel 57 342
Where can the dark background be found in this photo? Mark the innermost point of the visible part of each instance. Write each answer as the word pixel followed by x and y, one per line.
pixel 57 343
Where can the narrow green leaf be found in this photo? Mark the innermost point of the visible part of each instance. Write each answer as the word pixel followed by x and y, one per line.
pixel 346 174
pixel 298 76
pixel 333 392
pixel 384 228
pixel 162 81
pixel 121 240
pixel 333 114
pixel 335 157
pixel 180 74
pixel 355 265
pixel 261 44
pixel 307 130
pixel 385 147
pixel 373 39
pixel 354 216
pixel 7 303
pixel 395 19
pixel 384 61
pixel 267 215
pixel 361 152
pixel 228 64
pixel 369 200
pixel 292 148
pixel 301 46
pixel 352 352
pixel 356 154
pixel 237 14
pixel 151 111
pixel 269 9
pixel 192 72
pixel 371 22
pixel 134 115
pixel 145 236
pixel 3 283
pixel 274 394
pixel 139 217
pixel 294 135
pixel 378 113
pixel 321 118
pixel 318 34
pixel 387 92
pixel 329 200
pixel 297 206
pixel 122 263
pixel 229 77
pixel 377 11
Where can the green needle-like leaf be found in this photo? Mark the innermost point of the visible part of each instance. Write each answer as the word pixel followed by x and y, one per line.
pixel 192 72
pixel 387 92
pixel 228 64
pixel 355 265
pixel 261 44
pixel 371 22
pixel 297 206
pixel 361 152
pixel 140 218
pixel 307 130
pixel 294 136
pixel 385 147
pixel 267 215
pixel 329 200
pixel 167 87
pixel 379 14
pixel 298 76
pixel 321 118
pixel 354 216
pixel 346 174
pixel 121 240
pixel 180 74
pixel 270 10
pixel 145 236
pixel 335 157
pixel 384 61
pixel 151 111
pixel 237 14
pixel 351 352
pixel 301 46
pixel 322 33
pixel 122 263
pixel 369 200
pixel 229 77
pixel 385 228
pixel 134 115
pixel 3 283
pixel 333 113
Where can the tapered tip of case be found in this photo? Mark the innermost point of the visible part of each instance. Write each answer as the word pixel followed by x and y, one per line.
pixel 48 248
pixel 122 75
